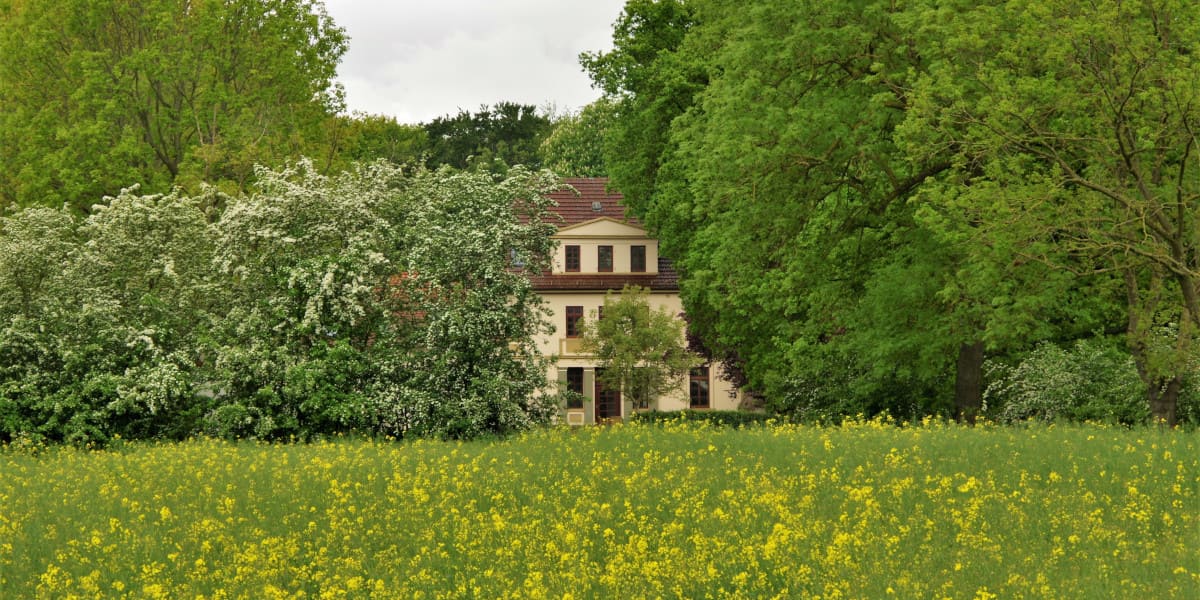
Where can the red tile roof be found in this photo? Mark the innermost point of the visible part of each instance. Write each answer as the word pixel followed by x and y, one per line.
pixel 582 207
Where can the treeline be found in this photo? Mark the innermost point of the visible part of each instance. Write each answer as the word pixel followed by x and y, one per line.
pixel 98 95
pixel 874 205
pixel 371 301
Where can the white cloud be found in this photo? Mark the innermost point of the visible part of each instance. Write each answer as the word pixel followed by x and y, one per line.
pixel 416 60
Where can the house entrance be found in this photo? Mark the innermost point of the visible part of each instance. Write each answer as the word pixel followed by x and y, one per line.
pixel 608 402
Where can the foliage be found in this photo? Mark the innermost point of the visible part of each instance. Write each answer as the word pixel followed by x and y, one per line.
pixel 480 319
pixel 719 418
pixel 362 138
pixel 677 509
pixel 370 301
pixel 1085 147
pixel 381 303
pixel 1090 381
pixel 650 81
pixel 103 338
pixel 98 94
pixel 842 390
pixel 640 350
pixel 491 139
pixel 1094 379
pixel 874 190
pixel 775 186
pixel 575 147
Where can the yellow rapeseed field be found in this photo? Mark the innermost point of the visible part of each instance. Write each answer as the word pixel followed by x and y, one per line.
pixel 870 509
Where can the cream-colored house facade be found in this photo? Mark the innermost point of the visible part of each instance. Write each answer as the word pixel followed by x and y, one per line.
pixel 600 249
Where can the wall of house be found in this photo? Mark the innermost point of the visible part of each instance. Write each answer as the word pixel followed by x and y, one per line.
pixel 590 236
pixel 621 235
pixel 722 395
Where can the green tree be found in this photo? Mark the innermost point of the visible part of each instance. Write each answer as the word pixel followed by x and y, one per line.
pixel 575 148
pixel 651 78
pixel 491 139
pixel 770 180
pixel 98 95
pixel 640 349
pixel 759 144
pixel 366 138
pixel 1075 126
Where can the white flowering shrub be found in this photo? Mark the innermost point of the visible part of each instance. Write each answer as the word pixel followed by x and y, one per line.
pixel 35 244
pixel 370 301
pixel 472 317
pixel 377 302
pixel 1090 380
pixel 101 319
pixel 302 262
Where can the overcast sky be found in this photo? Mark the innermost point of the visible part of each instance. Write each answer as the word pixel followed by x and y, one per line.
pixel 420 59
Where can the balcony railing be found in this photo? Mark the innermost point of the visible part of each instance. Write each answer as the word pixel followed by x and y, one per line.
pixel 570 346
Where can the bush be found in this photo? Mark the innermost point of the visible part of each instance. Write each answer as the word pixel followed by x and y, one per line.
pixel 724 418
pixel 371 301
pixel 1093 380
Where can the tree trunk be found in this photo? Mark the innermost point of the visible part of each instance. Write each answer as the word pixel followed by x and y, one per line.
pixel 968 385
pixel 1163 400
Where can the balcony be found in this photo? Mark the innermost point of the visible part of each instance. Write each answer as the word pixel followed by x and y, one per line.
pixel 570 346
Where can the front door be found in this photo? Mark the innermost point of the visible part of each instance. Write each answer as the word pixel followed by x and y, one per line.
pixel 608 402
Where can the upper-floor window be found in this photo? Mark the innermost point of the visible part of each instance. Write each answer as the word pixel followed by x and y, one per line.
pixel 605 259
pixel 572 259
pixel 637 259
pixel 574 318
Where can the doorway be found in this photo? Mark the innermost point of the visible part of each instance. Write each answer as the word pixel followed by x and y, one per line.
pixel 608 402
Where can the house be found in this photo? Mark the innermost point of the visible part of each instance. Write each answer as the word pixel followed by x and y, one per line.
pixel 600 249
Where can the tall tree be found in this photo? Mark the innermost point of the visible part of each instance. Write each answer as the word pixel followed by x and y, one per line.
pixel 366 138
pixel 651 78
pixel 98 95
pixel 1076 124
pixel 758 151
pixel 575 148
pixel 772 175
pixel 490 139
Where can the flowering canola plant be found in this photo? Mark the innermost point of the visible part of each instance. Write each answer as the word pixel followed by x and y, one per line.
pixel 868 509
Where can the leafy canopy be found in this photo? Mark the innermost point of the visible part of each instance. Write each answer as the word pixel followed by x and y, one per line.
pixel 491 139
pixel 797 162
pixel 101 93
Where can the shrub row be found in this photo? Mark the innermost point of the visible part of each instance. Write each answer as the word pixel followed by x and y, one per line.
pixel 374 301
pixel 724 418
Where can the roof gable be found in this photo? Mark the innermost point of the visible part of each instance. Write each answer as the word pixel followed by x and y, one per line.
pixel 602 227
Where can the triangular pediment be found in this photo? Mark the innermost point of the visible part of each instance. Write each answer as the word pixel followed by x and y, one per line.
pixel 602 227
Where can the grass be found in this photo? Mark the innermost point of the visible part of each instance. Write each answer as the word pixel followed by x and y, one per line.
pixel 866 510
